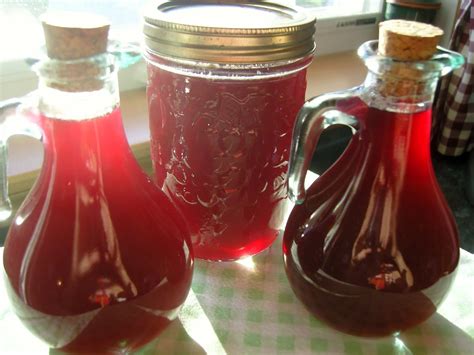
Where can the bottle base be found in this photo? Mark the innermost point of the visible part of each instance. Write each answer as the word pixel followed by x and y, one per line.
pixel 364 312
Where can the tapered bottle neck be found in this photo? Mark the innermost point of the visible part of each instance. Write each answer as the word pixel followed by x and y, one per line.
pixel 79 112
pixel 403 86
pixel 77 89
pixel 399 90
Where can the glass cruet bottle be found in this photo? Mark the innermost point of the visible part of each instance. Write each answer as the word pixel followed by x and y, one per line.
pixel 97 259
pixel 372 247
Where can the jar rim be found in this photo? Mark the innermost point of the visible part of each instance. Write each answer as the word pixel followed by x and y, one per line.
pixel 226 71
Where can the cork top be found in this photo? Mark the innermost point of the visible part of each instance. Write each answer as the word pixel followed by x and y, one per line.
pixel 408 40
pixel 73 35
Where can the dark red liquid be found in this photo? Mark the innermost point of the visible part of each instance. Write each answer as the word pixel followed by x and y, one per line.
pixel 220 151
pixel 97 258
pixel 374 247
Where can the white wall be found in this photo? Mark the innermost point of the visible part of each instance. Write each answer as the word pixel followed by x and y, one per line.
pixel 445 18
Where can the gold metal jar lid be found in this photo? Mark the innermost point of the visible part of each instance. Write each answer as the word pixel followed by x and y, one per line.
pixel 228 31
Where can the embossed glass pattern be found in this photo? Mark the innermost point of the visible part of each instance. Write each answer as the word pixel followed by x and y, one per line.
pixel 220 150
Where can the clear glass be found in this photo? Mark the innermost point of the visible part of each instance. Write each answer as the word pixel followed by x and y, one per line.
pixel 97 259
pixel 372 247
pixel 220 140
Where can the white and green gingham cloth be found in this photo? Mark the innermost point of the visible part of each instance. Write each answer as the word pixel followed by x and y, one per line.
pixel 249 308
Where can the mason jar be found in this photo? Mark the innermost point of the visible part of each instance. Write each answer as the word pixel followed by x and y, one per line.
pixel 225 82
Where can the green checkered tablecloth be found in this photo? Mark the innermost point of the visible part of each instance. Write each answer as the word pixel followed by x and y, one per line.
pixel 248 307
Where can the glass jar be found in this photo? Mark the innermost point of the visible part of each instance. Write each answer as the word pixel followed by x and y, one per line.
pixel 372 247
pixel 97 259
pixel 225 81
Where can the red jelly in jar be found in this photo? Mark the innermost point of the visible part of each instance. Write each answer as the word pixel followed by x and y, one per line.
pixel 223 96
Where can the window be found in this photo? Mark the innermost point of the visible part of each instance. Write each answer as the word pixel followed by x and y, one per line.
pixel 21 19
pixel 338 8
pixel 342 25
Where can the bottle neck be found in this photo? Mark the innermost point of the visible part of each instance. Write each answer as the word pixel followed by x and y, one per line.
pixel 399 88
pixel 78 89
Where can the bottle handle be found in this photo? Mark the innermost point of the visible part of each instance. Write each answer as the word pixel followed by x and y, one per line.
pixel 311 120
pixel 15 123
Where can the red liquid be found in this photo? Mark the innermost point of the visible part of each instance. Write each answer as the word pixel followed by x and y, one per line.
pixel 97 258
pixel 373 249
pixel 220 151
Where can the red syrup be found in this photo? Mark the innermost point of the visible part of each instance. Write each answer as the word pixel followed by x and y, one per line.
pixel 97 259
pixel 374 248
pixel 220 150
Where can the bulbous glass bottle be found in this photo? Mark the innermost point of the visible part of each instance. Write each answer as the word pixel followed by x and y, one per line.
pixel 372 247
pixel 97 259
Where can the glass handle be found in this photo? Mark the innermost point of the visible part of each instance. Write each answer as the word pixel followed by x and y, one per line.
pixel 15 123
pixel 312 119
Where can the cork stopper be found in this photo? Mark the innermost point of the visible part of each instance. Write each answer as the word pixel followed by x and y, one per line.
pixel 72 35
pixel 71 39
pixel 408 40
